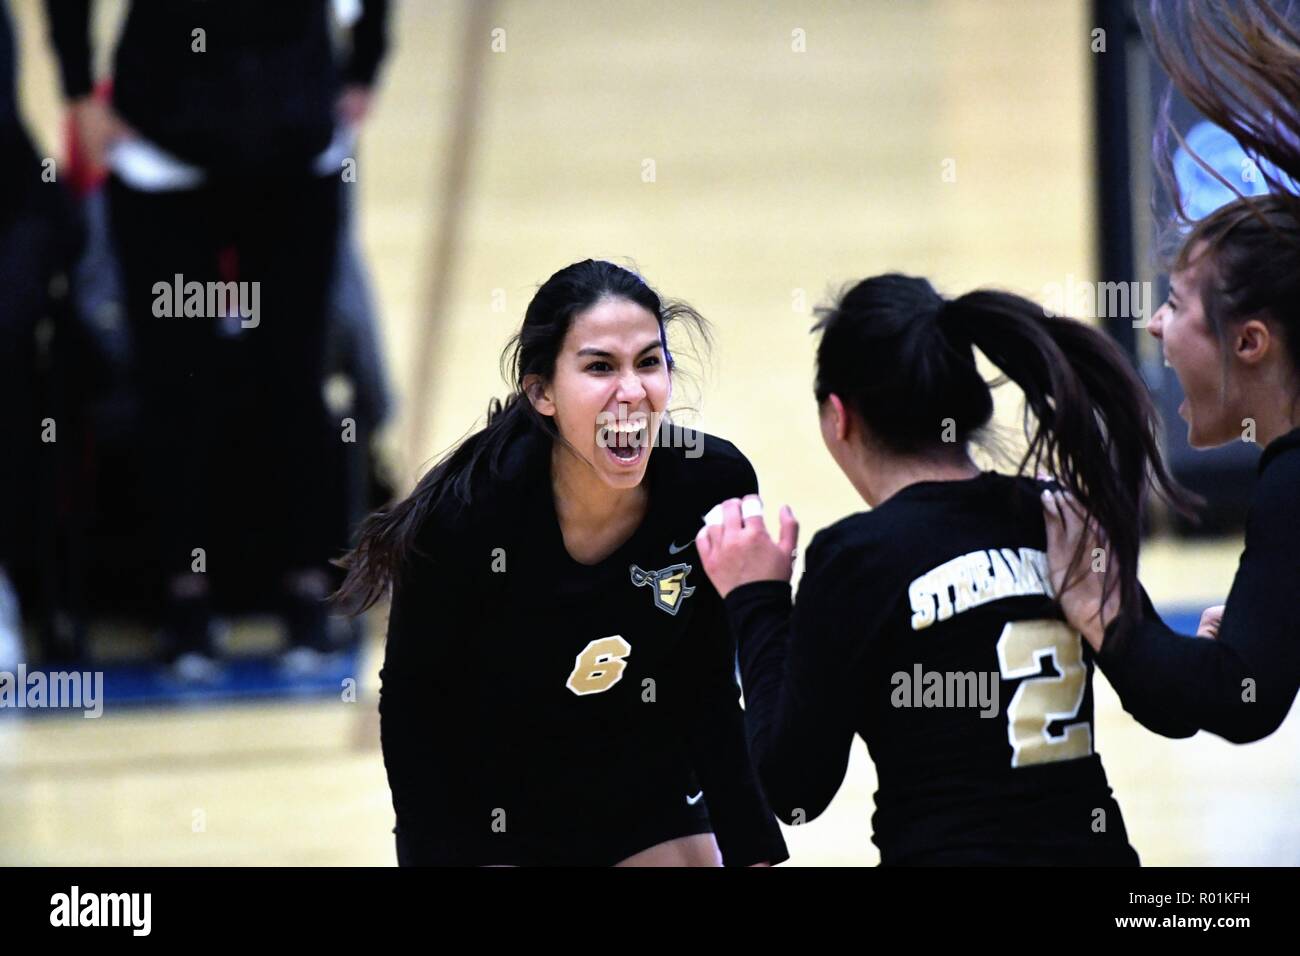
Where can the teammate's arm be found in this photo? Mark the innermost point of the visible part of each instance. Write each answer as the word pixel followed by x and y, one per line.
pixel 714 724
pixel 1241 684
pixel 714 729
pixel 795 686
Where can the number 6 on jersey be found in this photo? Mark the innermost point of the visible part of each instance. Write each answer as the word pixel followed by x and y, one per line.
pixel 600 665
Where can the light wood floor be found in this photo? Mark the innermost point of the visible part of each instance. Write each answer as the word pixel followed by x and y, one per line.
pixel 778 175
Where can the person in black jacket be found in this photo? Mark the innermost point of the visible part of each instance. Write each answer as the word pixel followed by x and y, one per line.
pixel 228 138
pixel 559 681
pixel 1231 332
pixel 40 238
pixel 927 625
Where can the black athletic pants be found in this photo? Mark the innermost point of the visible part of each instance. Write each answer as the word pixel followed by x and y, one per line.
pixel 280 234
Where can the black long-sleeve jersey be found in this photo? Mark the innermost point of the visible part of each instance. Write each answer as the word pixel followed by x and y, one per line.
pixel 927 626
pixel 535 710
pixel 1241 684
pixel 258 98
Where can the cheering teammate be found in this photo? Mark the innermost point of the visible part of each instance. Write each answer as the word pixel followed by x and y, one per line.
pixel 1231 332
pixel 559 680
pixel 927 625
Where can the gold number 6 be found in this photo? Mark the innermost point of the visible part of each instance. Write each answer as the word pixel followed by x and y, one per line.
pixel 600 665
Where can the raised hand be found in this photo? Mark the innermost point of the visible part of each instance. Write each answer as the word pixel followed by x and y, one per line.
pixel 740 550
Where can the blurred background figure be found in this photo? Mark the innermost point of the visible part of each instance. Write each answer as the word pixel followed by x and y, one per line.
pixel 228 138
pixel 39 239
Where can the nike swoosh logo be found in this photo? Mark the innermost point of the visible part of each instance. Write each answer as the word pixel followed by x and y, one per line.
pixel 675 549
pixel 695 799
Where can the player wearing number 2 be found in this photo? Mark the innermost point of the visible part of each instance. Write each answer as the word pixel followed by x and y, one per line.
pixel 905 612
pixel 559 680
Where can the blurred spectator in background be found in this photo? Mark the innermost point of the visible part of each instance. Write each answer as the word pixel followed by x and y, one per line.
pixel 39 239
pixel 228 135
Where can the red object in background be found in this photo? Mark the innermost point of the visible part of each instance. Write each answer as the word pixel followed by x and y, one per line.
pixel 81 178
pixel 228 263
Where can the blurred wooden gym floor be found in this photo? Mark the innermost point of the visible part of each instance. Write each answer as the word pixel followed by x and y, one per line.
pixel 777 175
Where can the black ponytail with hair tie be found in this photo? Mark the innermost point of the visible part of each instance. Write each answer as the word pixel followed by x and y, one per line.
pixel 1089 420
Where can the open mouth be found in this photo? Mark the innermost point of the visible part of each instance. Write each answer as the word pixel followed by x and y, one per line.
pixel 624 441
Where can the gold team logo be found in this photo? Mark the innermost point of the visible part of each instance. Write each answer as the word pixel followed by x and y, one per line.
pixel 669 585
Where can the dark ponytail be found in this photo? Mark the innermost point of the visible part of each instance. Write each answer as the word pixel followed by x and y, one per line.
pixel 901 355
pixel 386 539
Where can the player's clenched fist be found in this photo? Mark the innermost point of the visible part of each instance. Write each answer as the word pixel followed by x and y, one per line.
pixel 738 549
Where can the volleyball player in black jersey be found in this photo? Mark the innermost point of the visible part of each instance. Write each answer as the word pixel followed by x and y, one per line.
pixel 927 624
pixel 1231 332
pixel 559 681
